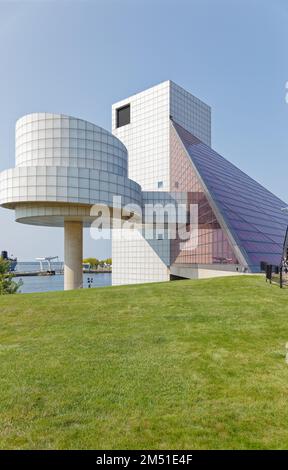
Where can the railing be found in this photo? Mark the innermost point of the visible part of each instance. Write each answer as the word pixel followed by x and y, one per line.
pixel 277 275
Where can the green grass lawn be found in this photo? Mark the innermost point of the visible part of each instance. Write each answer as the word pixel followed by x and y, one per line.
pixel 186 364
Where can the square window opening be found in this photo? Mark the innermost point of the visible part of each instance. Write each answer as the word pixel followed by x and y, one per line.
pixel 123 116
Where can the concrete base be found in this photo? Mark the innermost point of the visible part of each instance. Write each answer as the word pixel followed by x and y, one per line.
pixel 73 255
pixel 202 272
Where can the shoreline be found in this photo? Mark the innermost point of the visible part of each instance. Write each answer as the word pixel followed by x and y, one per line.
pixel 60 273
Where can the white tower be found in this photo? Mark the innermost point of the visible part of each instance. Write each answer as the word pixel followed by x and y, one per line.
pixel 143 123
pixel 145 130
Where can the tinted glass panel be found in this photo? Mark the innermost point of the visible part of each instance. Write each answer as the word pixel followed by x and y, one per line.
pixel 210 245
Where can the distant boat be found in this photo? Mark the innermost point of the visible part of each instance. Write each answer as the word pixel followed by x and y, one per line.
pixel 12 261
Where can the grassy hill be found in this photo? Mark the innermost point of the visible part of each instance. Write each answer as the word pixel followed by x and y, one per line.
pixel 188 364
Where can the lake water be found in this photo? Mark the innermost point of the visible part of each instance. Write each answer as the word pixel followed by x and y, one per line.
pixel 52 283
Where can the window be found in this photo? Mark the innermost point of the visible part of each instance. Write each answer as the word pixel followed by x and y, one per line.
pixel 123 116
pixel 160 184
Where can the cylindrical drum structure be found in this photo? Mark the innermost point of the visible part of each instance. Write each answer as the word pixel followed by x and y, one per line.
pixel 65 167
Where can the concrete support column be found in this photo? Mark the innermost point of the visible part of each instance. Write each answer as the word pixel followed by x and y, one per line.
pixel 73 255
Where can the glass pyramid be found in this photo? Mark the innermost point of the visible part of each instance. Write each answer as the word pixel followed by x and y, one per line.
pixel 252 215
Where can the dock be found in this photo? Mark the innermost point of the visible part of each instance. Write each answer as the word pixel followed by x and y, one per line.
pixel 33 273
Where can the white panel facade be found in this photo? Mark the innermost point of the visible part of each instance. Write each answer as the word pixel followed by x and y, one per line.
pixel 147 137
pixel 191 113
pixel 44 139
pixel 135 261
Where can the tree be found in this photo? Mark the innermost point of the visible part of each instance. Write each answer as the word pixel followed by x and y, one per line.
pixel 94 262
pixel 7 285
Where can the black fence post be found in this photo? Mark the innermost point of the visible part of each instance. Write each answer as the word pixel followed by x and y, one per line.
pixel 269 273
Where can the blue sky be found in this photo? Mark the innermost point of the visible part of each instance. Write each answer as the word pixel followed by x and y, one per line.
pixel 78 57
